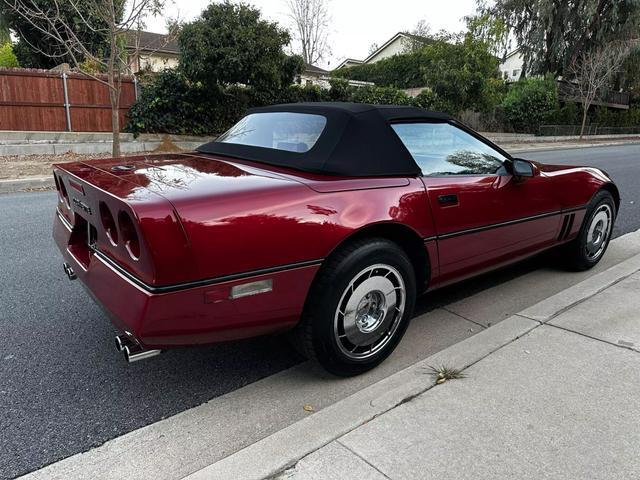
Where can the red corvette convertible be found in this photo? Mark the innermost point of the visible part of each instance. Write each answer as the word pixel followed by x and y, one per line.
pixel 323 219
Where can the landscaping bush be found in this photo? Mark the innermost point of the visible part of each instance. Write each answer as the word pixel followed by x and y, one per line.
pixel 530 102
pixel 171 104
pixel 7 57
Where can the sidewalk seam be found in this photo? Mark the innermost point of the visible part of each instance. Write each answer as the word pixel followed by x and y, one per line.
pixel 361 458
pixel 484 327
pixel 568 330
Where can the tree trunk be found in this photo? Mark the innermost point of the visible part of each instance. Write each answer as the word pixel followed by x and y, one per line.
pixel 114 97
pixel 585 110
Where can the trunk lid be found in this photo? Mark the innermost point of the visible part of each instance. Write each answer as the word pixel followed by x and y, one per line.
pixel 183 178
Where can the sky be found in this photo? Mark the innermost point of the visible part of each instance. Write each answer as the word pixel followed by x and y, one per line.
pixel 356 24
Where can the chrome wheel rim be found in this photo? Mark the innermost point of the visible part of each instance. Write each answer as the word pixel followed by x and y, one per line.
pixel 369 311
pixel 599 232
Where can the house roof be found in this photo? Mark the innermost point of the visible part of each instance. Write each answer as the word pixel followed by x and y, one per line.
pixel 149 41
pixel 348 60
pixel 314 70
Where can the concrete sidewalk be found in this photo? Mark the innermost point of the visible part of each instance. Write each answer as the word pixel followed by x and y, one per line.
pixel 552 392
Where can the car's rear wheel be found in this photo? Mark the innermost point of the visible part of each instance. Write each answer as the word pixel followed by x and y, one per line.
pixel 359 307
pixel 588 248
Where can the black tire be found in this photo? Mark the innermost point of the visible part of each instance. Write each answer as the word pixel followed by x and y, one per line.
pixel 576 254
pixel 338 284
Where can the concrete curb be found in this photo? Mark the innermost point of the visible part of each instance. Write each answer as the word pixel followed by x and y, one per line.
pixel 22 184
pixel 553 306
pixel 575 146
pixel 275 453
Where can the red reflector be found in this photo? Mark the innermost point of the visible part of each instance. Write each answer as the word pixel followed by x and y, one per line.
pixel 76 186
pixel 218 295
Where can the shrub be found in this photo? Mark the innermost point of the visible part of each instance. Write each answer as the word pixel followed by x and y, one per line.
pixel 7 57
pixel 530 102
pixel 171 104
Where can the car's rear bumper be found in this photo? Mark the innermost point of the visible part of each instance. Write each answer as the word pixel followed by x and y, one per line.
pixel 190 315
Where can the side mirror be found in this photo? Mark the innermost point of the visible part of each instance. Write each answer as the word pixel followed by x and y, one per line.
pixel 522 168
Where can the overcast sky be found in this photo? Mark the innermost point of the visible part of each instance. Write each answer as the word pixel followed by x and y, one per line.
pixel 356 23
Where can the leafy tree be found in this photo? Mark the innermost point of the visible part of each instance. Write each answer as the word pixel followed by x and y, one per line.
pixel 459 70
pixel 231 44
pixel 7 57
pixel 491 30
pixel 35 49
pixel 553 33
pixel 460 73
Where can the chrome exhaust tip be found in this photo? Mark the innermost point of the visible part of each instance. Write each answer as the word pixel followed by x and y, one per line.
pixel 71 275
pixel 135 353
pixel 123 341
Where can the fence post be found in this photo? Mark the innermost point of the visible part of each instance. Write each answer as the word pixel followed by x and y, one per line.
pixel 135 86
pixel 67 107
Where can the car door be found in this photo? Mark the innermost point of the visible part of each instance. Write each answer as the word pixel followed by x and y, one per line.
pixel 484 215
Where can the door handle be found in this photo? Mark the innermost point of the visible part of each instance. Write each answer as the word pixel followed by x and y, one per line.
pixel 448 199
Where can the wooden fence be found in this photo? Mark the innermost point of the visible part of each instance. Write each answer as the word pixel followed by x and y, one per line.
pixel 38 100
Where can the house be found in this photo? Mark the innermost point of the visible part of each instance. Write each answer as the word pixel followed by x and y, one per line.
pixel 511 67
pixel 313 75
pixel 400 43
pixel 316 76
pixel 151 51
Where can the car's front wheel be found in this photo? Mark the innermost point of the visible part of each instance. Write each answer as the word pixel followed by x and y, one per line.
pixel 587 249
pixel 359 307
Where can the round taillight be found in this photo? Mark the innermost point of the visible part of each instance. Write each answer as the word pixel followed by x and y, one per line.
pixel 63 192
pixel 108 223
pixel 129 235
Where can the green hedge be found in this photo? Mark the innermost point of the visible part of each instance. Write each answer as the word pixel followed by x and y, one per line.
pixel 168 103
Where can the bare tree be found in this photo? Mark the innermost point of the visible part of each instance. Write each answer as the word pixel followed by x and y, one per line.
pixel 418 36
pixel 116 20
pixel 311 19
pixel 592 72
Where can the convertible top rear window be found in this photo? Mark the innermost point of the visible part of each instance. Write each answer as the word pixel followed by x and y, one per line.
pixel 288 131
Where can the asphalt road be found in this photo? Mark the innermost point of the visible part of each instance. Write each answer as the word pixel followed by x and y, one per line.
pixel 63 387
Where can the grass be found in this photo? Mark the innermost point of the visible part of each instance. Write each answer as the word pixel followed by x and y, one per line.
pixel 443 373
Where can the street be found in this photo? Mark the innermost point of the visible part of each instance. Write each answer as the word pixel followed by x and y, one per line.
pixel 64 389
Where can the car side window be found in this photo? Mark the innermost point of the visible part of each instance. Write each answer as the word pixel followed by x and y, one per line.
pixel 443 149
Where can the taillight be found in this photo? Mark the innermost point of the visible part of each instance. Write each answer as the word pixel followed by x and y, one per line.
pixel 63 191
pixel 129 235
pixel 108 223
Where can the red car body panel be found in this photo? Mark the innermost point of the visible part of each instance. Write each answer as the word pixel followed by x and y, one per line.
pixel 209 223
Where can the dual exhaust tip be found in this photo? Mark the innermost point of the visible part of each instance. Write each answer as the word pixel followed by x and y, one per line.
pixel 132 350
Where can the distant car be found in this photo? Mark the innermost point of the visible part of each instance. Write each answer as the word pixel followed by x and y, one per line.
pixel 323 219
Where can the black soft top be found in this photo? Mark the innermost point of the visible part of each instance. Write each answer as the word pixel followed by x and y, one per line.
pixel 357 141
